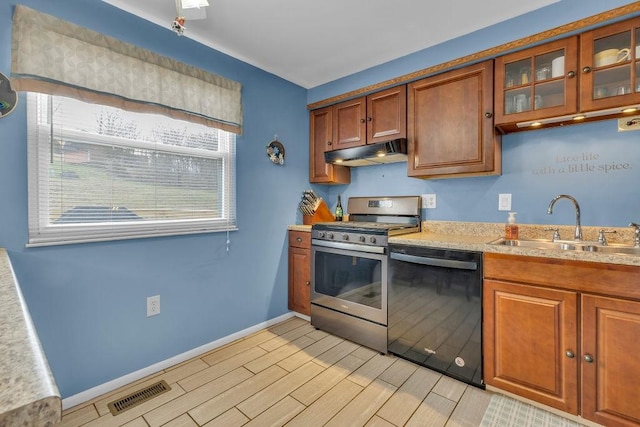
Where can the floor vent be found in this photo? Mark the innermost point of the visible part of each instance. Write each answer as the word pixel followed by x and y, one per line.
pixel 138 397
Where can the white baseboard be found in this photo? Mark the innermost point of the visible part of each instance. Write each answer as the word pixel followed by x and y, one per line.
pixel 302 316
pixel 107 387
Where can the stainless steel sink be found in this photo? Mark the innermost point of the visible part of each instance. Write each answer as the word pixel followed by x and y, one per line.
pixel 568 246
pixel 626 250
pixel 535 244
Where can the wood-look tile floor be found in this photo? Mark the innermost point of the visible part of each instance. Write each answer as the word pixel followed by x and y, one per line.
pixel 292 374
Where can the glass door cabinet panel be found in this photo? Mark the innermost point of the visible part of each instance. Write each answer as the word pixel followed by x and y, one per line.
pixel 636 59
pixel 536 83
pixel 609 66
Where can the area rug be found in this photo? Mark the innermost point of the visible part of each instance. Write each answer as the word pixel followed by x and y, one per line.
pixel 507 412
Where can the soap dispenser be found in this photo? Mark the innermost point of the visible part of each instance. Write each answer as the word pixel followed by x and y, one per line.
pixel 511 228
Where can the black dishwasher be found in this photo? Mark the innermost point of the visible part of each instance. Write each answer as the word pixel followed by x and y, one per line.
pixel 435 309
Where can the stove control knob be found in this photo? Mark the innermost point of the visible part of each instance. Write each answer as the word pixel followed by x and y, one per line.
pixel 345 236
pixel 330 235
pixel 372 239
pixel 362 239
pixel 321 234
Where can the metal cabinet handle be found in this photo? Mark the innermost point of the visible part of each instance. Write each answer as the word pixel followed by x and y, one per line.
pixel 361 120
pixel 571 74
pixel 488 115
pixel 586 70
pixel 329 143
pixel 588 358
pixel 369 118
pixel 569 354
pixel 299 239
pixel 308 283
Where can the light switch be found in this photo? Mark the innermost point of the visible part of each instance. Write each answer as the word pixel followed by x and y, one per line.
pixel 504 202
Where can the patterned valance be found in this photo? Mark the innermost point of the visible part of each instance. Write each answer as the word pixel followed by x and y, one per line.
pixel 53 56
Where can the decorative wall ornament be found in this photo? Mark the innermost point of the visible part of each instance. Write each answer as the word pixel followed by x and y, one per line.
pixel 8 97
pixel 275 151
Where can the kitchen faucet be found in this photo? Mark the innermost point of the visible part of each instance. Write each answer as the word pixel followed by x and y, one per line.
pixel 636 239
pixel 578 233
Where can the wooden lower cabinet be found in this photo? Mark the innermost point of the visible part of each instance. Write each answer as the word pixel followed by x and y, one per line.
pixel 527 331
pixel 300 272
pixel 552 337
pixel 611 381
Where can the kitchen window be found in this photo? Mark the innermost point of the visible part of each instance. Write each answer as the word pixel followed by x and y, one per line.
pixel 101 173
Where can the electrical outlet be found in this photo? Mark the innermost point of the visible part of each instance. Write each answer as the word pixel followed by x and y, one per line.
pixel 504 202
pixel 429 201
pixel 628 123
pixel 153 305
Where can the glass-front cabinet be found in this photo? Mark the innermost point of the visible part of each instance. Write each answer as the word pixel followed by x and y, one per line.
pixel 610 66
pixel 536 83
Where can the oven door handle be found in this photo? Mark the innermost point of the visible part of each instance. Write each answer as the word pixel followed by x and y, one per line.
pixel 435 262
pixel 349 246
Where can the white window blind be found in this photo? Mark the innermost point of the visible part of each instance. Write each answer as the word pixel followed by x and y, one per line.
pixel 101 173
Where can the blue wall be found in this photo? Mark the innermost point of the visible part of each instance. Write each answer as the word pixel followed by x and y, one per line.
pixel 88 301
pixel 533 167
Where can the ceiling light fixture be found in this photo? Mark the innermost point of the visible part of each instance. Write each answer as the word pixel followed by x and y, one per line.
pixel 188 9
pixel 190 4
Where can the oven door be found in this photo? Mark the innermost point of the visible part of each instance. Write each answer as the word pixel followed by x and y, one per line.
pixel 351 279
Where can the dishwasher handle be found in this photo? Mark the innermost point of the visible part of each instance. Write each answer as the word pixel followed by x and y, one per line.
pixel 435 262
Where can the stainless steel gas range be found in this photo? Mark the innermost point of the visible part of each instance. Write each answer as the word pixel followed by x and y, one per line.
pixel 349 267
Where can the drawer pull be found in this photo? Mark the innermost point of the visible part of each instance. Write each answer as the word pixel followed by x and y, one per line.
pixel 299 239
pixel 569 354
pixel 588 358
pixel 308 283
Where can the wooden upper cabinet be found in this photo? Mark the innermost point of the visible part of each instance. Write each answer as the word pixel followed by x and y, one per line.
pixel 450 124
pixel 610 66
pixel 536 83
pixel 601 73
pixel 320 140
pixel 349 124
pixel 387 115
pixel 378 117
pixel 610 363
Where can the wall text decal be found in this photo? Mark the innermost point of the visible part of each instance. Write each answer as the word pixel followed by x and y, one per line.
pixel 584 162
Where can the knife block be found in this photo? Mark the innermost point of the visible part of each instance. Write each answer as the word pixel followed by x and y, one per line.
pixel 322 214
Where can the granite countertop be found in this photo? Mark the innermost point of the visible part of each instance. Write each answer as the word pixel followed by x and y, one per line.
pixel 475 236
pixel 28 392
pixel 299 228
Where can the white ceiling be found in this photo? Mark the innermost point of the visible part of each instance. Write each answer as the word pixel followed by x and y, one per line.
pixel 314 42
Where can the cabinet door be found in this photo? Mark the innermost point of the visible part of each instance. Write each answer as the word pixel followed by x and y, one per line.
pixel 300 280
pixel 387 115
pixel 610 363
pixel 320 140
pixel 610 66
pixel 349 124
pixel 450 124
pixel 530 342
pixel 537 83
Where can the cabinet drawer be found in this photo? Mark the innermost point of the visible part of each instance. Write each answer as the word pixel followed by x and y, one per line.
pixel 599 278
pixel 300 239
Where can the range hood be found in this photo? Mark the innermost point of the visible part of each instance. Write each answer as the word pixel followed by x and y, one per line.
pixel 393 151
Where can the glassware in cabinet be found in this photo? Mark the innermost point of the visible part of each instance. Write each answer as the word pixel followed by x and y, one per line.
pixel 536 83
pixel 609 66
